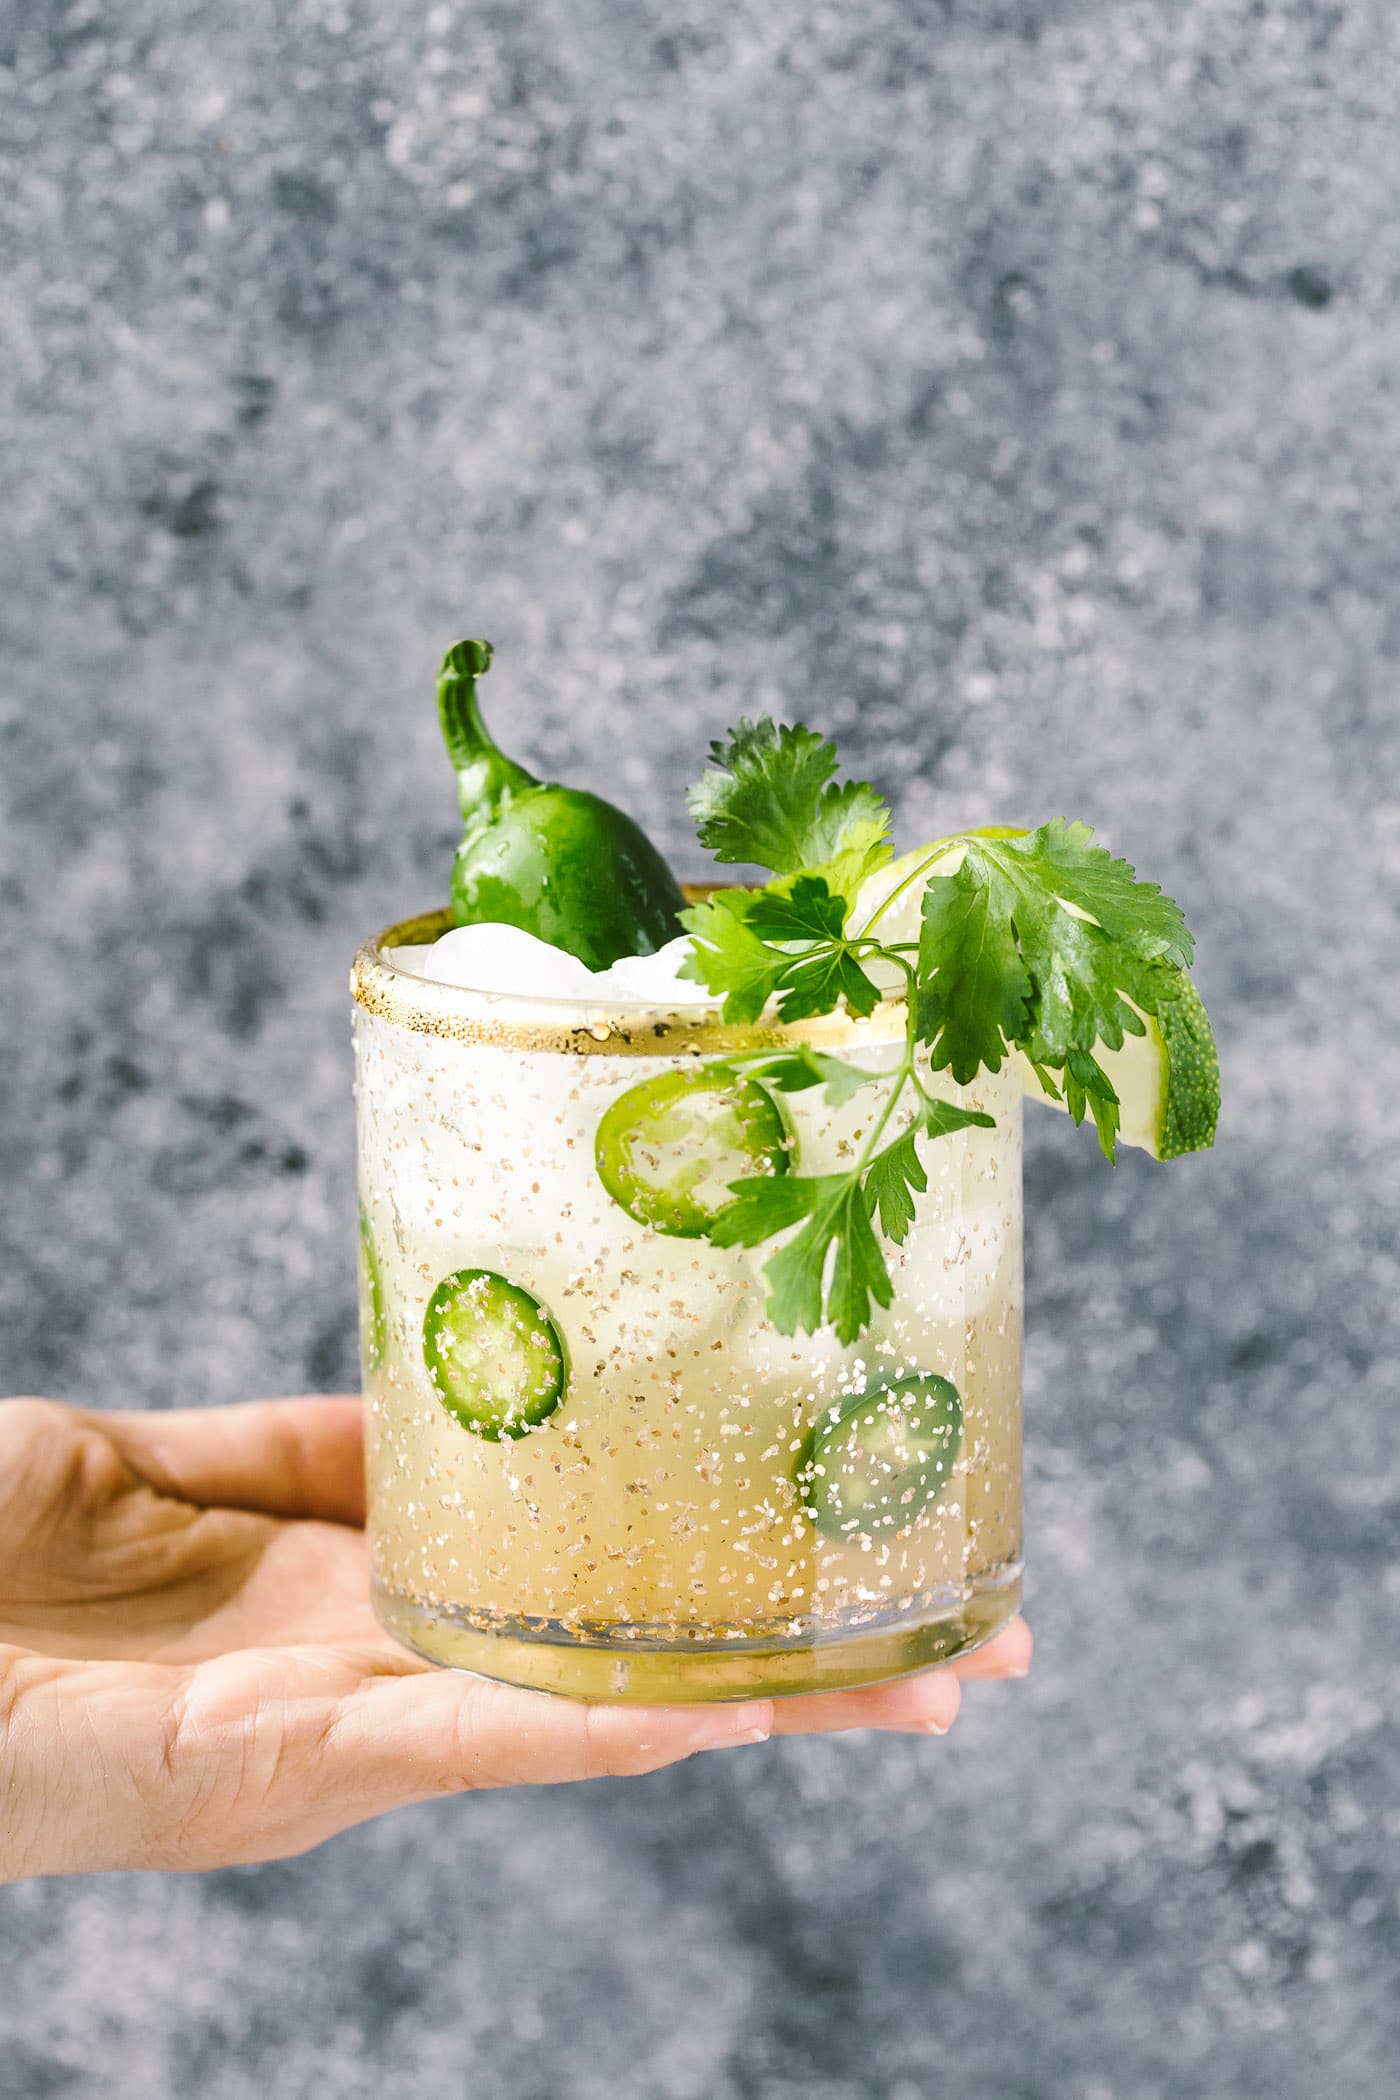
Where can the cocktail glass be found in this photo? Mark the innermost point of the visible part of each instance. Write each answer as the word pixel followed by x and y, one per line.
pixel 594 1465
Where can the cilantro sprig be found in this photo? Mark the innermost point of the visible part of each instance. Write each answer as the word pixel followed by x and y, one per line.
pixel 788 945
pixel 833 1269
pixel 768 797
pixel 1036 941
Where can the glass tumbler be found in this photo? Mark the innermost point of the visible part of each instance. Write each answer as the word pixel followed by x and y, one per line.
pixel 594 1465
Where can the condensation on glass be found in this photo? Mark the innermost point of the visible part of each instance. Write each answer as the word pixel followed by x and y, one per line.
pixel 650 1539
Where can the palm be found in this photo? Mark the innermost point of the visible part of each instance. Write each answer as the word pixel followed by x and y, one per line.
pixel 190 1672
pixel 305 1585
pixel 97 1562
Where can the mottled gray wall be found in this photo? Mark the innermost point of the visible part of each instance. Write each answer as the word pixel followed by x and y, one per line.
pixel 1013 386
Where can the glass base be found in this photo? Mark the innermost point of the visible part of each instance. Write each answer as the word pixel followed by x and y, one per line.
pixel 660 1667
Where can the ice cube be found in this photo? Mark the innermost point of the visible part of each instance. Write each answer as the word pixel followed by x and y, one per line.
pixel 653 980
pixel 411 958
pixel 503 960
pixel 500 960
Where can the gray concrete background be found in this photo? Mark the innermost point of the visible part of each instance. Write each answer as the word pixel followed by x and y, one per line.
pixel 1012 386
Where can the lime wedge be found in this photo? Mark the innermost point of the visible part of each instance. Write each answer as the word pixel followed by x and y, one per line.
pixel 890 902
pixel 1167 1081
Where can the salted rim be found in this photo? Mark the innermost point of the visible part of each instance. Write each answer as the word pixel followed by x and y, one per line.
pixel 383 988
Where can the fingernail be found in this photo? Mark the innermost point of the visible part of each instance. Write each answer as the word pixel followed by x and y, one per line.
pixel 931 1727
pixel 1020 1670
pixel 753 1726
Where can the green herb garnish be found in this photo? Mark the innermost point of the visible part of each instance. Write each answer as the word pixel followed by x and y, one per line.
pixel 1036 942
pixel 769 798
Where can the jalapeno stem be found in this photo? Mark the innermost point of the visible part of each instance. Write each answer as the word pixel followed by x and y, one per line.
pixel 485 776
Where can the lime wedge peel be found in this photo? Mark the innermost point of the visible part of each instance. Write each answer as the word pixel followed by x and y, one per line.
pixel 1167 1080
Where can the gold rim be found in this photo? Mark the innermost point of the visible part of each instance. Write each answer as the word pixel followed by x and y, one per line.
pixel 382 988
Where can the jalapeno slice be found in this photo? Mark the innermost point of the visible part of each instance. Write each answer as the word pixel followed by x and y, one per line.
pixel 882 1458
pixel 493 1353
pixel 374 1324
pixel 669 1147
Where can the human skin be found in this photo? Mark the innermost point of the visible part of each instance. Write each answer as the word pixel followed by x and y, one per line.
pixel 191 1675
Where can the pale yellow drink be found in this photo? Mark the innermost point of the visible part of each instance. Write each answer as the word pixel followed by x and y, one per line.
pixel 650 1539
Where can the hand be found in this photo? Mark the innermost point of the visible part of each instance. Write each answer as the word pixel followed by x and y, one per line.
pixel 191 1675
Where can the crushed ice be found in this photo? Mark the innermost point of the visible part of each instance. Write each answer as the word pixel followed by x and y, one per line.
pixel 505 961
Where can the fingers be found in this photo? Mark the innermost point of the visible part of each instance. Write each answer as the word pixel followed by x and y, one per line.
pixel 263 1753
pixel 926 1704
pixel 1007 1654
pixel 282 1458
pixel 923 1705
pixel 412 1738
pixel 319 1759
pixel 501 1736
pixel 548 1739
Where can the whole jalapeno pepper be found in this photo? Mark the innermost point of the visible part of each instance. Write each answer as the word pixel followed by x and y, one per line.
pixel 559 862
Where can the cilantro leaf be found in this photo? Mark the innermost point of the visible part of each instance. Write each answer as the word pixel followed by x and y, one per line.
pixel 1087 1085
pixel 1037 940
pixel 800 1298
pixel 892 1180
pixel 1082 977
pixel 793 1071
pixel 1007 955
pixel 940 1118
pixel 1046 1078
pixel 835 1212
pixel 768 797
pixel 806 912
pixel 825 970
pixel 817 982
pixel 1066 861
pixel 754 944
pixel 728 957
pixel 757 798
pixel 896 1175
pixel 767 1203
pixel 858 1273
pixel 974 988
